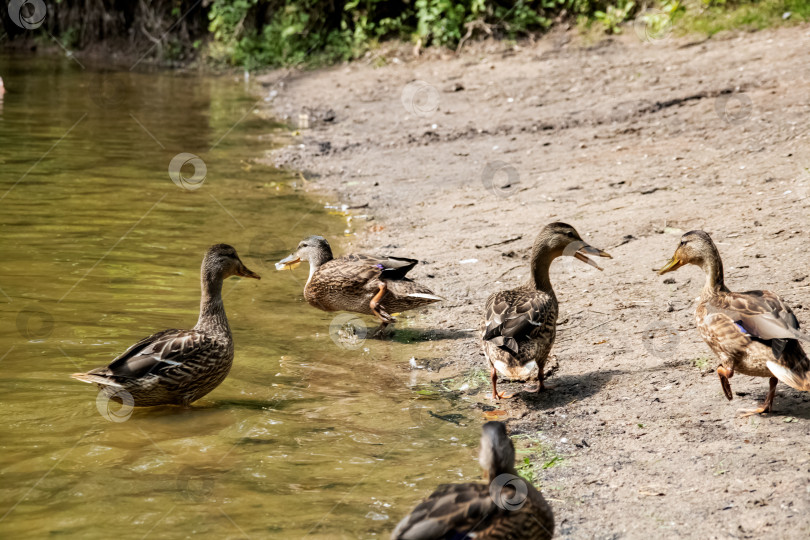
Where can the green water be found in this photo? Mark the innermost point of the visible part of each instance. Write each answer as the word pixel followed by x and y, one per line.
pixel 100 248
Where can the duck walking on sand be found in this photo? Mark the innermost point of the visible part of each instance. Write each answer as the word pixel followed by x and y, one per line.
pixel 503 506
pixel 180 366
pixel 360 283
pixel 520 324
pixel 754 333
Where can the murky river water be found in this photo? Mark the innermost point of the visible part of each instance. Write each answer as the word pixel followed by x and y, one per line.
pixel 99 248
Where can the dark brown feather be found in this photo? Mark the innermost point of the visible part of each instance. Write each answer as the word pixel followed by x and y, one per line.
pixel 460 511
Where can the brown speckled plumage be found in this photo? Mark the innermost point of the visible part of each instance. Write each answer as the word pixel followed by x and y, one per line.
pixel 503 507
pixel 520 324
pixel 180 366
pixel 351 282
pixel 754 333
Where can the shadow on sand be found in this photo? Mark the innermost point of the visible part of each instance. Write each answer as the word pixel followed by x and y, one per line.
pixel 563 389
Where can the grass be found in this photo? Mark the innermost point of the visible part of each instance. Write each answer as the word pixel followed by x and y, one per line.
pixel 534 452
pixel 526 470
pixel 709 17
pixel 702 362
pixel 743 16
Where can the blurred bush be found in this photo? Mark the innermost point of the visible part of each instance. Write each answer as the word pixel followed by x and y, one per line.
pixel 269 33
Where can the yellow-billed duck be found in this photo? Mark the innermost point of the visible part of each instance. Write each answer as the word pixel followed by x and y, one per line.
pixel 520 324
pixel 504 506
pixel 754 333
pixel 180 366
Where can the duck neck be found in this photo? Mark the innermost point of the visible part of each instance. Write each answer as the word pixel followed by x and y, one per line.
pixel 713 267
pixel 321 257
pixel 541 261
pixel 495 472
pixel 212 310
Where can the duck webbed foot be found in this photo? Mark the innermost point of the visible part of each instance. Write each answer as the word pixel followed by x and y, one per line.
pixel 725 374
pixel 768 405
pixel 541 384
pixel 378 310
pixel 495 394
pixel 379 332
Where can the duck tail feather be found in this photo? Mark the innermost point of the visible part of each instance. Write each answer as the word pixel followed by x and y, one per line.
pixel 426 296
pixel 95 378
pixel 790 378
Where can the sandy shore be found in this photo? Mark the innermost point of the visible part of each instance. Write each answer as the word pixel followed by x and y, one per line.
pixel 462 159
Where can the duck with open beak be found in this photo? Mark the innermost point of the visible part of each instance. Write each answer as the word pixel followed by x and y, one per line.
pixel 367 284
pixel 291 262
pixel 520 324
pixel 581 250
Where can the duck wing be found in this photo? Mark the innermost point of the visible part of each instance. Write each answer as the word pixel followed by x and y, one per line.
pixel 159 354
pixel 389 268
pixel 464 511
pixel 760 313
pixel 359 270
pixel 764 316
pixel 515 315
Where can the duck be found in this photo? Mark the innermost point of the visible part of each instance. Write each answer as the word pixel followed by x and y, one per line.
pixel 365 284
pixel 520 324
pixel 178 367
pixel 503 506
pixel 754 333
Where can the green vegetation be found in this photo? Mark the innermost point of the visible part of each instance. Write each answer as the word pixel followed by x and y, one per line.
pixel 702 362
pixel 717 15
pixel 253 33
pixel 259 32
pixel 269 33
pixel 525 470
pixel 530 450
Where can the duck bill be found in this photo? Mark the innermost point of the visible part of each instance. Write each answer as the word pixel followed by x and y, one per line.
pixel 243 271
pixel 289 262
pixel 671 266
pixel 583 252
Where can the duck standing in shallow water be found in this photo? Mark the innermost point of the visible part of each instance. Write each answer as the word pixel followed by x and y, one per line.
pixel 360 283
pixel 520 324
pixel 503 507
pixel 753 332
pixel 180 366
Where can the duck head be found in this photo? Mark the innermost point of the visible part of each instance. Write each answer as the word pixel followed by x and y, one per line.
pixel 560 239
pixel 314 249
pixel 497 452
pixel 696 248
pixel 221 261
